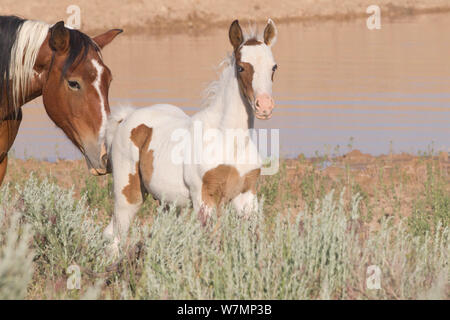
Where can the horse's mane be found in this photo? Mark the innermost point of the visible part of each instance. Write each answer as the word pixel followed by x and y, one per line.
pixel 79 45
pixel 227 66
pixel 20 41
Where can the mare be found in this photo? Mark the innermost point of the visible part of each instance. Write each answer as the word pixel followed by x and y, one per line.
pixel 65 66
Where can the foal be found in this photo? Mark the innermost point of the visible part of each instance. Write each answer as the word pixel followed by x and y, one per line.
pixel 151 148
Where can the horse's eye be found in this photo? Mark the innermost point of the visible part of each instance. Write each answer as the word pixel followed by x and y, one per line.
pixel 240 69
pixel 275 67
pixel 74 85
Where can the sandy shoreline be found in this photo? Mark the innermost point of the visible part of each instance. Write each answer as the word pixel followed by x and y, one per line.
pixel 180 16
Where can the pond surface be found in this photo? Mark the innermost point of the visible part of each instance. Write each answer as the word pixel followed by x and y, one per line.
pixel 338 83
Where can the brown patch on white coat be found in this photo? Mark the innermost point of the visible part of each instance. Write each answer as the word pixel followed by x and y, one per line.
pixel 141 137
pixel 263 104
pixel 244 71
pixel 224 183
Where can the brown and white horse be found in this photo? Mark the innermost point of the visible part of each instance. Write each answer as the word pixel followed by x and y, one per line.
pixel 65 66
pixel 152 149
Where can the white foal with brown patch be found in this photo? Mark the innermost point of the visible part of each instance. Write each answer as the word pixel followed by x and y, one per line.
pixel 145 143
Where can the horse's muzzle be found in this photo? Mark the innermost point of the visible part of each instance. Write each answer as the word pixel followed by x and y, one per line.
pixel 98 172
pixel 97 159
pixel 263 106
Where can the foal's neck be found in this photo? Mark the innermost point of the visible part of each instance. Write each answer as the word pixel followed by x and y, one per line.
pixel 228 109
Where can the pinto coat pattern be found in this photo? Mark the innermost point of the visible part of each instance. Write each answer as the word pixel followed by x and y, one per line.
pixel 143 144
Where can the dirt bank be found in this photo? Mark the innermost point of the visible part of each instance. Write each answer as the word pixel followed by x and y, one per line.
pixel 389 184
pixel 157 16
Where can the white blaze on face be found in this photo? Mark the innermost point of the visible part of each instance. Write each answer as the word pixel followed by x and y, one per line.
pixel 96 85
pixel 261 58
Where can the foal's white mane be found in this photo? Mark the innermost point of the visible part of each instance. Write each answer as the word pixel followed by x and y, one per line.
pixel 25 49
pixel 212 90
pixel 211 94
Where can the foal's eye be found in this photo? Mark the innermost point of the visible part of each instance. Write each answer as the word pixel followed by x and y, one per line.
pixel 275 67
pixel 74 85
pixel 240 69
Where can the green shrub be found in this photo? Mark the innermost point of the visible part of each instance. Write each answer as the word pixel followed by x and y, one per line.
pixel 64 230
pixel 16 267
pixel 317 254
pixel 321 253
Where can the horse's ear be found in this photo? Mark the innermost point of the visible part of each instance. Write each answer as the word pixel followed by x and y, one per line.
pixel 105 38
pixel 235 34
pixel 270 33
pixel 59 37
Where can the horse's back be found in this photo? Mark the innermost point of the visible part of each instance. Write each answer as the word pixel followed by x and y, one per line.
pixel 158 113
pixel 154 126
pixel 162 119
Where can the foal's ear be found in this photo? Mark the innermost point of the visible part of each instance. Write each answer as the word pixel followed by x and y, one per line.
pixel 235 34
pixel 105 38
pixel 270 33
pixel 59 37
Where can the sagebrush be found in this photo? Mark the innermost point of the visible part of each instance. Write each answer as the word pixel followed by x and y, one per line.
pixel 320 252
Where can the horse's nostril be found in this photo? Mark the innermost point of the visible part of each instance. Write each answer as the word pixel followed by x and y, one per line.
pixel 257 103
pixel 105 158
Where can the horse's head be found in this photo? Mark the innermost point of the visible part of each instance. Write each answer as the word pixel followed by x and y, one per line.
pixel 75 84
pixel 255 67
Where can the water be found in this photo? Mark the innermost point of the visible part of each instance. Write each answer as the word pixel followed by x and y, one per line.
pixel 338 83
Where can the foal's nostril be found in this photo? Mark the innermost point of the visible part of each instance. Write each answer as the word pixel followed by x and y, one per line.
pixel 257 103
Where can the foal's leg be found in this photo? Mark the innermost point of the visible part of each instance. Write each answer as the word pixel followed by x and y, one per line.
pixel 246 203
pixel 203 209
pixel 8 133
pixel 127 199
pixel 131 169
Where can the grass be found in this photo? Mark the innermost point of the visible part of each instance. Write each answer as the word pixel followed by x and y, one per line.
pixel 16 257
pixel 434 208
pixel 318 231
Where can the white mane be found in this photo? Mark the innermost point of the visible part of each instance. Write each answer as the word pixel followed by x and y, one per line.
pixel 212 90
pixel 29 39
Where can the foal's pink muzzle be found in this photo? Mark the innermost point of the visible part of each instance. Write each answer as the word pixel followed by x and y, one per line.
pixel 263 106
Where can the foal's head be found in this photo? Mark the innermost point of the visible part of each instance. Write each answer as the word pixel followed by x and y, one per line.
pixel 255 67
pixel 75 89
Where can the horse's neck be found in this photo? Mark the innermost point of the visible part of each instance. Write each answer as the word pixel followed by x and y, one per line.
pixel 34 90
pixel 25 83
pixel 227 110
